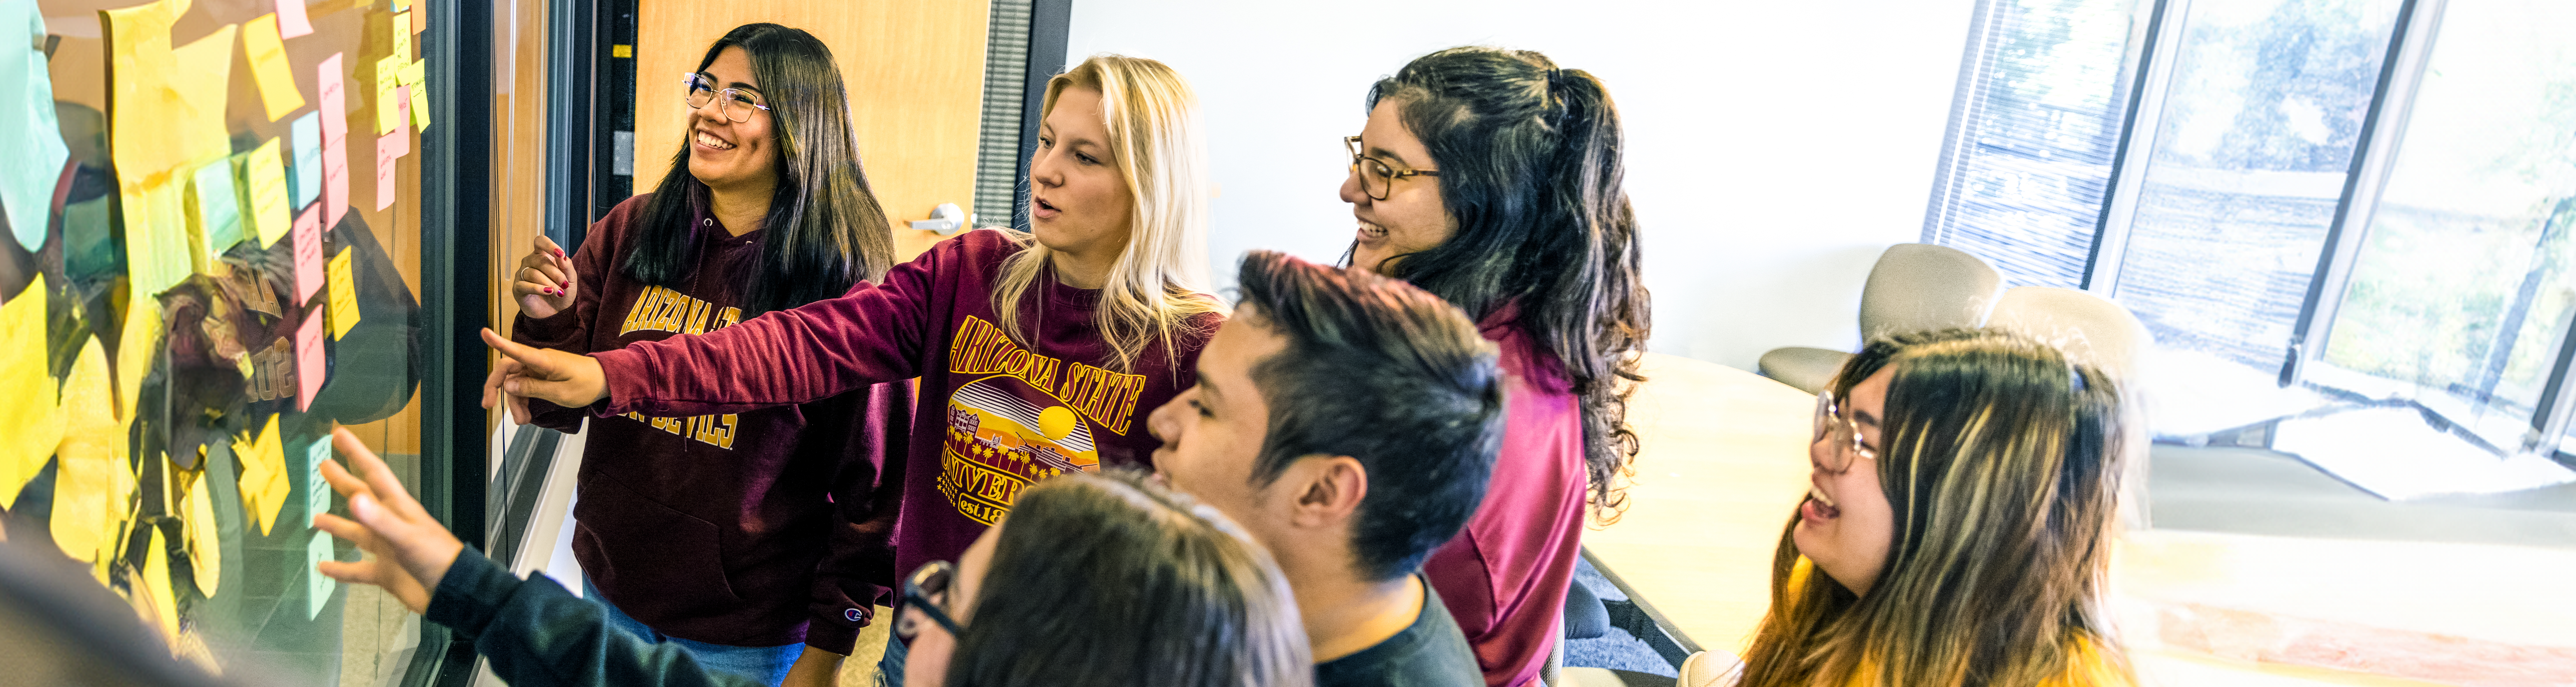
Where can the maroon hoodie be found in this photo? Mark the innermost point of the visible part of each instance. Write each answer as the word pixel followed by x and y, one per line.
pixel 997 412
pixel 751 528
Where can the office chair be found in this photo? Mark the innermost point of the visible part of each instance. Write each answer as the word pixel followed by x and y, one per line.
pixel 1914 287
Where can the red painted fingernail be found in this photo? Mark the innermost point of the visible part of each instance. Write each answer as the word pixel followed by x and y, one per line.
pixel 550 291
pixel 558 252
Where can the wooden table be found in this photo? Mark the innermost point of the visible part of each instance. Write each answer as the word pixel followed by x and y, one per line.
pixel 1722 463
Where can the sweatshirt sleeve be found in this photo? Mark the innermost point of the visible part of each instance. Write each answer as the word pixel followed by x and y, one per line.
pixel 857 573
pixel 538 635
pixel 820 349
pixel 570 330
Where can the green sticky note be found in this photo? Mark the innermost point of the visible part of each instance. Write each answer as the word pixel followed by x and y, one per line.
pixel 321 586
pixel 214 214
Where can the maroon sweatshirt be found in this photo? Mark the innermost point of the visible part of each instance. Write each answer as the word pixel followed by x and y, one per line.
pixel 996 413
pixel 751 528
pixel 1504 577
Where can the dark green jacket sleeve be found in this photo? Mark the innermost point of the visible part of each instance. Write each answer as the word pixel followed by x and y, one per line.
pixel 535 634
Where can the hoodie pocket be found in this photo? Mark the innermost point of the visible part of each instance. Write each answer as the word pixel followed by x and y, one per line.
pixel 657 564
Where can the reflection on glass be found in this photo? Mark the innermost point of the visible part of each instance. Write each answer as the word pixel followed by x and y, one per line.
pixel 2025 186
pixel 2461 291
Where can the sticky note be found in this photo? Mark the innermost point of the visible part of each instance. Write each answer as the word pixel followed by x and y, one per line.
pixel 291 21
pixel 92 479
pixel 156 231
pixel 308 255
pixel 142 105
pixel 320 586
pixel 261 43
pixel 311 365
pixel 389 105
pixel 344 295
pixel 135 351
pixel 154 589
pixel 264 202
pixel 29 138
pixel 204 72
pixel 29 428
pixel 416 77
pixel 214 214
pixel 401 30
pixel 335 134
pixel 307 186
pixel 389 151
pixel 264 487
pixel 205 546
pixel 317 496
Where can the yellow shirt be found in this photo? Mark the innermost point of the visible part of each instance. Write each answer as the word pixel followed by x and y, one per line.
pixel 2090 668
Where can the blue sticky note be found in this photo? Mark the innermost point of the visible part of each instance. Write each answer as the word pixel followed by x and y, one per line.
pixel 29 139
pixel 321 586
pixel 214 211
pixel 317 493
pixel 307 179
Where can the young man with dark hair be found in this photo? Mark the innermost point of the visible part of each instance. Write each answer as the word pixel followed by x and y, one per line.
pixel 1349 422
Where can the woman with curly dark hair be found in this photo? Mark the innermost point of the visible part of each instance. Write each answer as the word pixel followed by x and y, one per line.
pixel 1492 178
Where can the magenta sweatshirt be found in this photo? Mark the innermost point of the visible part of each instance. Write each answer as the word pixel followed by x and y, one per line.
pixel 996 413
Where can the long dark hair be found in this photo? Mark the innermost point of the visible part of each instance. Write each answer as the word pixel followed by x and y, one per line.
pixel 1106 579
pixel 1529 160
pixel 825 230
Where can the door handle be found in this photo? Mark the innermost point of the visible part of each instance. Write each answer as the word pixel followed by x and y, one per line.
pixel 947 219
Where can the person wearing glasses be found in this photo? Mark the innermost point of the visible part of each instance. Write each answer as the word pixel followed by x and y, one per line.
pixel 1349 422
pixel 1094 580
pixel 746 536
pixel 1492 178
pixel 1959 526
pixel 1039 353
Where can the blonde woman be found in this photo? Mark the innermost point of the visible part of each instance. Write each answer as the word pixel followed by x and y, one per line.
pixel 1039 353
pixel 1959 525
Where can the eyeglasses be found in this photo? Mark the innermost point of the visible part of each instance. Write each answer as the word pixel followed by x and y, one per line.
pixel 927 590
pixel 1377 178
pixel 736 105
pixel 1845 432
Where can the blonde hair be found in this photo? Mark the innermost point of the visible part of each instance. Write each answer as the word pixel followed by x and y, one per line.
pixel 1154 287
pixel 2001 459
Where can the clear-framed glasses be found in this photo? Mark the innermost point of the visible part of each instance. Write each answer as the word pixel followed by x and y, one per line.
pixel 927 590
pixel 734 103
pixel 1377 178
pixel 1845 432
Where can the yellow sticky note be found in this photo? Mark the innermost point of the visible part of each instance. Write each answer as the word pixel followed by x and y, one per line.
pixel 416 76
pixel 205 69
pixel 137 346
pixel 205 548
pixel 143 102
pixel 93 482
pixel 29 428
pixel 156 231
pixel 154 589
pixel 264 204
pixel 389 108
pixel 263 480
pixel 344 295
pixel 268 67
pixel 401 30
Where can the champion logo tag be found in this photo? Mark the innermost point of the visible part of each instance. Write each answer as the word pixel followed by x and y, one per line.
pixel 852 614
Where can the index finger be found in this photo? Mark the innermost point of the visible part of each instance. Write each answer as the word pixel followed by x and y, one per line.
pixel 380 479
pixel 525 355
pixel 548 245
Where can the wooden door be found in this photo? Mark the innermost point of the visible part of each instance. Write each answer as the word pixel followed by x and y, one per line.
pixel 915 72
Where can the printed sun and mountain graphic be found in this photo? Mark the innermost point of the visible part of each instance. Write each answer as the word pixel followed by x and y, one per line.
pixel 1023 421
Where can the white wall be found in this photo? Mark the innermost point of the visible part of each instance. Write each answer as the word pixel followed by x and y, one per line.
pixel 1774 147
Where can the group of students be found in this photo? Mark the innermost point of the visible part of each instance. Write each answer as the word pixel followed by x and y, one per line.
pixel 1068 464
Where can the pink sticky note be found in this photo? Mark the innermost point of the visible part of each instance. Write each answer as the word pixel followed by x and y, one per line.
pixel 291 21
pixel 307 235
pixel 389 150
pixel 335 143
pixel 309 367
pixel 402 104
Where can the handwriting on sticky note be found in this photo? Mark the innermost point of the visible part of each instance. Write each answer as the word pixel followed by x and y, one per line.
pixel 261 43
pixel 400 27
pixel 419 106
pixel 291 21
pixel 311 362
pixel 307 162
pixel 389 152
pixel 318 587
pixel 264 177
pixel 344 294
pixel 317 500
pixel 308 255
pixel 389 115
pixel 335 134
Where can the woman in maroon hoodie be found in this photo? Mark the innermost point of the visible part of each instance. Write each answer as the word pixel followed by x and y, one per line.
pixel 742 533
pixel 1492 178
pixel 1039 353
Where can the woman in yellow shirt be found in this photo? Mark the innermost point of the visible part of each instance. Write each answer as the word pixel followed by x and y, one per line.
pixel 1964 493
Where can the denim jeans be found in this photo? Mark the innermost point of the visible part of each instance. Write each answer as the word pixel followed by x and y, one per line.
pixel 768 664
pixel 890 667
